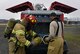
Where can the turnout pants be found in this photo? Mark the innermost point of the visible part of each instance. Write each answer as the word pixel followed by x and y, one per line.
pixel 20 50
pixel 55 46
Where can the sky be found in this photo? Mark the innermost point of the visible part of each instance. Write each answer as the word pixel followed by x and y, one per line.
pixel 4 4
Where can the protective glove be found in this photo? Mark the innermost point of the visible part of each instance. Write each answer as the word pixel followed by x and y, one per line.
pixel 36 41
pixel 27 43
pixel 47 39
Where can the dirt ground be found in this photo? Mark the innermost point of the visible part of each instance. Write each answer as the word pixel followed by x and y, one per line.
pixel 72 36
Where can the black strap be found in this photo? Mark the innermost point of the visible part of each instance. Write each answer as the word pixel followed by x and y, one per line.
pixel 16 47
pixel 62 27
pixel 57 28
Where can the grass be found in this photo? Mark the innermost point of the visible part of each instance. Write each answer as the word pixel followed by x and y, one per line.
pixel 72 36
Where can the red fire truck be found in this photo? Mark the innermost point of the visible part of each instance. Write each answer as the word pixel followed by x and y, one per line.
pixel 42 15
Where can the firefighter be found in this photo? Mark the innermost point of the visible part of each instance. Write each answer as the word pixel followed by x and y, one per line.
pixel 22 36
pixel 55 38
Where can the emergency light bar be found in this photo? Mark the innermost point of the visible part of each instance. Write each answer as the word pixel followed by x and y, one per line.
pixel 42 12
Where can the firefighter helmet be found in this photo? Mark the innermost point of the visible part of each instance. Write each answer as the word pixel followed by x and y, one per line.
pixel 31 19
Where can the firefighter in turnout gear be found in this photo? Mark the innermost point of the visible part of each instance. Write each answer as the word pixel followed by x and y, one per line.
pixel 22 36
pixel 55 38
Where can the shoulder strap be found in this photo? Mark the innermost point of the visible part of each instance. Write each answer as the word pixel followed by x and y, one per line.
pixel 57 28
pixel 62 28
